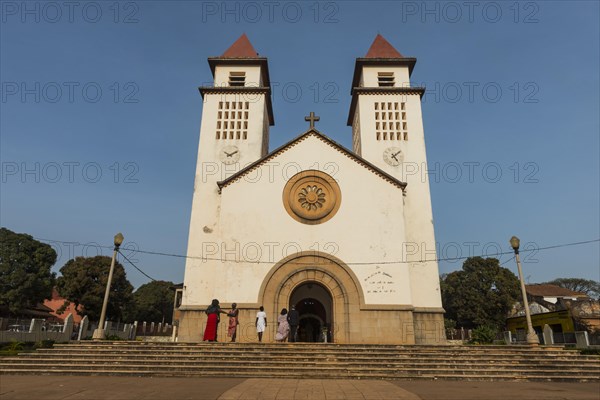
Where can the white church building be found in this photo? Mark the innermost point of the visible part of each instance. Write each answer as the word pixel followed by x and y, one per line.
pixel 345 236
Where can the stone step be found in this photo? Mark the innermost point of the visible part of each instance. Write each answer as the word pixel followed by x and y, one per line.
pixel 288 352
pixel 52 357
pixel 303 371
pixel 258 374
pixel 308 360
pixel 283 348
pixel 285 364
pixel 307 346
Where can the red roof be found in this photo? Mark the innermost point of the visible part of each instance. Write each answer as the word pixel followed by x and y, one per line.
pixel 241 48
pixel 56 302
pixel 542 290
pixel 381 48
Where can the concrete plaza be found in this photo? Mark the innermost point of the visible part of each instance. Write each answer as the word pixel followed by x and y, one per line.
pixel 28 387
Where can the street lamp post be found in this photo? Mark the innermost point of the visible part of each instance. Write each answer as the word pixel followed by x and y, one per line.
pixel 99 333
pixel 532 337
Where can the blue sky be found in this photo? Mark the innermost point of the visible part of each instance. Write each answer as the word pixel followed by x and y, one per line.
pixel 100 104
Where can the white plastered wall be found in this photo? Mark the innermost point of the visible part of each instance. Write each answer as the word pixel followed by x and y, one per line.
pixel 249 221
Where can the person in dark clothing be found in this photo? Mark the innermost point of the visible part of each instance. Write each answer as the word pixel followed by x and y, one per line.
pixel 293 320
pixel 212 322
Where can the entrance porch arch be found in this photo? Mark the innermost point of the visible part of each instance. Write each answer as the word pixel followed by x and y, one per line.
pixel 326 270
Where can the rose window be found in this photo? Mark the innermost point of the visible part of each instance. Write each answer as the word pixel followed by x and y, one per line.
pixel 312 197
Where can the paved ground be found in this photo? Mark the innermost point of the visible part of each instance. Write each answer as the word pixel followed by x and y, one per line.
pixel 117 388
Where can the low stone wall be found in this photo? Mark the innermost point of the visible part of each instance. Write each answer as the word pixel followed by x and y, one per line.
pixel 127 332
pixel 37 333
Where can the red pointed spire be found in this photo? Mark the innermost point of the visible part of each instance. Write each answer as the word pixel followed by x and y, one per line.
pixel 241 48
pixel 381 48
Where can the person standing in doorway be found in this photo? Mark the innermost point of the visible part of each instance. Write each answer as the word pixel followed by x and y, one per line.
pixel 293 319
pixel 261 322
pixel 233 322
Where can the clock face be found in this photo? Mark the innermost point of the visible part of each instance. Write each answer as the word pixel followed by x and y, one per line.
pixel 393 156
pixel 229 155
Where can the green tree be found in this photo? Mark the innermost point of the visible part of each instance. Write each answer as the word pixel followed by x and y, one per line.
pixel 153 302
pixel 83 282
pixel 25 271
pixel 587 286
pixel 481 294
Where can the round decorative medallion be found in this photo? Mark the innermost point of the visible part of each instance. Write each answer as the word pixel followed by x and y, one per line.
pixel 312 197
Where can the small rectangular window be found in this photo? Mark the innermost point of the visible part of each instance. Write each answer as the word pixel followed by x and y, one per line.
pixel 237 79
pixel 385 79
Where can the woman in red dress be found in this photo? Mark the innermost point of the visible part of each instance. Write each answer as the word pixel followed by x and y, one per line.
pixel 212 322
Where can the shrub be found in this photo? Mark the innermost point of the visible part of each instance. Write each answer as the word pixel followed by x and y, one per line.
pixel 14 346
pixel 483 334
pixel 45 344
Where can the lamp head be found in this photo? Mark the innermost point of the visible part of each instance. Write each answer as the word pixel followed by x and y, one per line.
pixel 514 243
pixel 118 239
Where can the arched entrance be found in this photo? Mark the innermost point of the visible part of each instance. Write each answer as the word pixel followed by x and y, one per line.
pixel 315 307
pixel 324 271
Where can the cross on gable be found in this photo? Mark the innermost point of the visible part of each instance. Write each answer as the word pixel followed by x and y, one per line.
pixel 312 118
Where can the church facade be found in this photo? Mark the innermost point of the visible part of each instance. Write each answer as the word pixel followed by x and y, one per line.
pixel 345 236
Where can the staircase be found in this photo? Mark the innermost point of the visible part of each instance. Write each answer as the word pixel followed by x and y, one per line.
pixel 305 360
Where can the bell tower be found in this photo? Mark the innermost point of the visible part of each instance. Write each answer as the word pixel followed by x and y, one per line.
pixel 237 110
pixel 387 130
pixel 234 132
